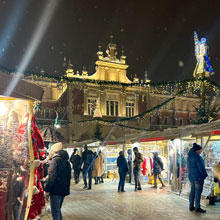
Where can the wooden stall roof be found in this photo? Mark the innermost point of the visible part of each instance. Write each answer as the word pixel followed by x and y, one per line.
pixel 183 131
pixel 23 89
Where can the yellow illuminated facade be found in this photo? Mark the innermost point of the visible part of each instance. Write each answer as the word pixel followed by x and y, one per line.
pixel 80 100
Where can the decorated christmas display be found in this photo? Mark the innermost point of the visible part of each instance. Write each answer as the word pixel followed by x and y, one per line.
pixel 16 155
pixel 38 198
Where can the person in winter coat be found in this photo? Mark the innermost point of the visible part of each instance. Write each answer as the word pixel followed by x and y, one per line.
pixel 157 168
pixel 122 170
pixel 75 159
pixel 97 170
pixel 87 162
pixel 137 166
pixel 197 174
pixel 58 180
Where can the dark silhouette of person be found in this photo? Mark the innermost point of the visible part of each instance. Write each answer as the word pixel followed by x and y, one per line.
pixel 157 168
pixel 87 162
pixel 58 180
pixel 75 160
pixel 137 166
pixel 197 174
pixel 122 170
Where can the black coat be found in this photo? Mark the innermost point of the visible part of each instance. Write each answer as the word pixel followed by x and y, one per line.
pixel 157 165
pixel 122 164
pixel 75 159
pixel 87 159
pixel 59 174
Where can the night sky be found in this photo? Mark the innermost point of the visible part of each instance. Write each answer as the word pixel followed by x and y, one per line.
pixel 156 35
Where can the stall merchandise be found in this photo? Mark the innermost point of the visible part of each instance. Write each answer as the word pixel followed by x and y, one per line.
pixel 111 154
pixel 15 158
pixel 211 156
pixel 147 149
pixel 38 199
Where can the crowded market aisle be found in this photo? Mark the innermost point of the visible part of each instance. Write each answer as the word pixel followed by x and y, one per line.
pixel 103 202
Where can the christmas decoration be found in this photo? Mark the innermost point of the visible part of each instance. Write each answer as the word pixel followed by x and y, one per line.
pixel 98 134
pixel 203 66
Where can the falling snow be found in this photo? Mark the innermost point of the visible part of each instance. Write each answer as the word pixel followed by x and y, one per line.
pixel 180 63
pixel 155 34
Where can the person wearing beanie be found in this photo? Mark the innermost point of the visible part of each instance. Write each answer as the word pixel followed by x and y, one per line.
pixel 58 180
pixel 197 174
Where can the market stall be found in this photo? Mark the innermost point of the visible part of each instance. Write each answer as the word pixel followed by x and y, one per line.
pixel 148 146
pixel 16 151
pixel 179 141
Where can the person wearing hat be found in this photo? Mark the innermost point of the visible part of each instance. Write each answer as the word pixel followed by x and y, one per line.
pixel 197 174
pixel 75 159
pixel 58 179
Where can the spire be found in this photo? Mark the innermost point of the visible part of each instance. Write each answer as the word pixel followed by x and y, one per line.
pixel 111 50
pixel 100 53
pixel 69 70
pixel 42 71
pixel 84 72
pixel 147 80
pixel 123 57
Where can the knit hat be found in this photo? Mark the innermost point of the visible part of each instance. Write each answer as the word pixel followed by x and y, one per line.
pixel 196 147
pixel 56 147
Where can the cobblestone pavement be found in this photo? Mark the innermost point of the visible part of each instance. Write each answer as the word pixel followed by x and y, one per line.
pixel 103 202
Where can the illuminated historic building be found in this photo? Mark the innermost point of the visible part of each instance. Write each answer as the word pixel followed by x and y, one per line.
pixel 87 98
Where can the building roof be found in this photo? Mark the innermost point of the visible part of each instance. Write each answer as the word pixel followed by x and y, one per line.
pixel 23 89
pixel 183 131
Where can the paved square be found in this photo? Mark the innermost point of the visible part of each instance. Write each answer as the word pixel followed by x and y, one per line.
pixel 103 202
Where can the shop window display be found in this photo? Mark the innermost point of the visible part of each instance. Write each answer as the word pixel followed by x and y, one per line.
pixel 178 153
pixel 211 155
pixel 147 149
pixel 110 161
pixel 14 157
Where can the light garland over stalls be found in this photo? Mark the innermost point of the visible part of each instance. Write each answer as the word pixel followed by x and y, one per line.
pixel 168 87
pixel 184 88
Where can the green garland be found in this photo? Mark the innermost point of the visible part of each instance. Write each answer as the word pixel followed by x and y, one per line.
pixel 181 83
pixel 136 116
pixel 130 127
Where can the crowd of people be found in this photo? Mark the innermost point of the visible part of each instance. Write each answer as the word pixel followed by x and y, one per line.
pixel 57 182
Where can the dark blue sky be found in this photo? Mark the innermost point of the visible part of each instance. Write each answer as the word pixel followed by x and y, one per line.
pixel 157 36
